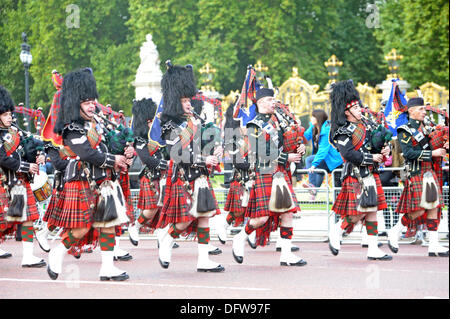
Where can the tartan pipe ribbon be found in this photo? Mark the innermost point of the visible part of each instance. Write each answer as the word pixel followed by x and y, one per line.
pixel 36 114
pixel 248 90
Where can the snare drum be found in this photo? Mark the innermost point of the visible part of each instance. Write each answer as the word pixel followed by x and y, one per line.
pixel 41 187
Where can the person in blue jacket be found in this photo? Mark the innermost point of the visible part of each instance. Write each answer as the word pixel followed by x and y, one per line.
pixel 324 156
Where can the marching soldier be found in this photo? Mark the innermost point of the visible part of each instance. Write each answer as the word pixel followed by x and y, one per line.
pixel 189 199
pixel 91 196
pixel 361 195
pixel 151 156
pixel 421 197
pixel 272 200
pixel 18 171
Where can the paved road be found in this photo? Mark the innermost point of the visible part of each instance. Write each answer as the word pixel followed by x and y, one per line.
pixel 410 275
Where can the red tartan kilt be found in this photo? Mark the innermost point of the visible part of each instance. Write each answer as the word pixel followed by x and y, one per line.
pixel 176 207
pixel 258 204
pixel 6 228
pixel 234 201
pixel 150 225
pixel 346 202
pixel 412 193
pixel 148 198
pixel 51 205
pixel 124 181
pixel 72 210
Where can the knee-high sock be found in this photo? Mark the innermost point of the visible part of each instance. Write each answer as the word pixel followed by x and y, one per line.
pixel 174 232
pixel 27 233
pixel 432 224
pixel 230 218
pixel 372 228
pixel 286 232
pixel 107 241
pixel 249 228
pixel 203 235
pixel 68 240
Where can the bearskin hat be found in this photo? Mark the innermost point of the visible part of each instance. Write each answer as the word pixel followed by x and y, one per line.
pixel 342 94
pixel 6 102
pixel 143 111
pixel 77 86
pixel 178 82
pixel 197 105
pixel 230 121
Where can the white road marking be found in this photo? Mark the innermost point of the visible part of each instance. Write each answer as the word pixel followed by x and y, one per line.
pixel 71 282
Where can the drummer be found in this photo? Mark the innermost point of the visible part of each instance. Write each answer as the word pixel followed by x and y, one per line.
pixel 17 172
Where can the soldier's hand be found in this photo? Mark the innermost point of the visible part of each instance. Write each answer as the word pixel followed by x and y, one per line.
pixel 129 152
pixel 378 158
pixel 34 168
pixel 385 151
pixel 218 151
pixel 212 160
pixel 301 149
pixel 120 161
pixel 294 157
pixel 440 152
pixel 40 160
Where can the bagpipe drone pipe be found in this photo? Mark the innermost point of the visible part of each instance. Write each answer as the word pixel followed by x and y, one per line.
pixel 118 137
pixel 380 135
pixel 437 133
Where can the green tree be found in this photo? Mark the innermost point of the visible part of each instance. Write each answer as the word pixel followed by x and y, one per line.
pixel 354 42
pixel 65 37
pixel 419 31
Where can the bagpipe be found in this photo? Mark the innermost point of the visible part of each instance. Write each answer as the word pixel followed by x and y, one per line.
pixel 211 134
pixel 437 133
pixel 379 133
pixel 293 134
pixel 118 137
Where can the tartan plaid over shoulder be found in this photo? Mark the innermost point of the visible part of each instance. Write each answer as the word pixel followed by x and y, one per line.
pixel 93 137
pixel 11 140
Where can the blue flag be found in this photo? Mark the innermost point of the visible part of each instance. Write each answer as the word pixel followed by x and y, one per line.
pixel 155 131
pixel 395 111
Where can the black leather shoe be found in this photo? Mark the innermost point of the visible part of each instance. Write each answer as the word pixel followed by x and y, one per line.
pixel 438 254
pixel 121 277
pixel 299 263
pixel 216 251
pixel 392 248
pixel 333 250
pixel 52 275
pixel 164 264
pixel 239 259
pixel 385 257
pixel 219 268
pixel 293 248
pixel 251 244
pixel 40 264
pixel 367 246
pixel 5 255
pixel 133 242
pixel 123 258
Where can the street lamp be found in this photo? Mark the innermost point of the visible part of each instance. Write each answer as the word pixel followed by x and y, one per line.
pixel 260 70
pixel 333 65
pixel 207 71
pixel 26 58
pixel 393 59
